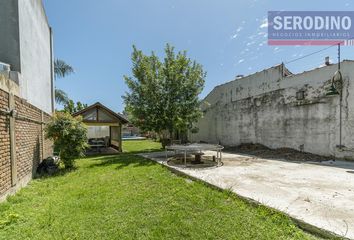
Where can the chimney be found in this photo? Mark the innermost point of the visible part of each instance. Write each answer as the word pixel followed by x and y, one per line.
pixel 327 63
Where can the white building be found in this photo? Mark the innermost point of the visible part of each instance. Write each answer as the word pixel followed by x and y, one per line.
pixel 26 45
pixel 279 109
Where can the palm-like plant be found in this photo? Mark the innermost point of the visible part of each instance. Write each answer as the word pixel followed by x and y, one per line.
pixel 61 97
pixel 61 70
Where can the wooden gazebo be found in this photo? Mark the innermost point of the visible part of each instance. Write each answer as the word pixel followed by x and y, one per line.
pixel 104 123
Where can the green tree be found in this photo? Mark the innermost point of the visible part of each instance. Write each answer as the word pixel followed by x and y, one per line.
pixel 71 107
pixel 61 70
pixel 80 106
pixel 163 96
pixel 69 137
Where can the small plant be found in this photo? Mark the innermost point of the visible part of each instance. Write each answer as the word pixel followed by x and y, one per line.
pixel 9 219
pixel 69 137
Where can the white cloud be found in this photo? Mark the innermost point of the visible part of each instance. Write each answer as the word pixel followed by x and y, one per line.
pixel 263 34
pixel 251 37
pixel 239 29
pixel 241 60
pixel 262 44
pixel 264 23
pixel 234 36
pixel 277 50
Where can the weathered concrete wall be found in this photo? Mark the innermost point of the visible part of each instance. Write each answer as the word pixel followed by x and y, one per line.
pixel 25 44
pixel 35 39
pixel 263 108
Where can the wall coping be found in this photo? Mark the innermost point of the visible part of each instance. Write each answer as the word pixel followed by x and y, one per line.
pixel 8 85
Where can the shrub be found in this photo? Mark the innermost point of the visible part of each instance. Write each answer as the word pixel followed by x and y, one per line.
pixel 69 137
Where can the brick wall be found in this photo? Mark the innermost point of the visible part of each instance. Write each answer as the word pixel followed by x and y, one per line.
pixel 30 145
pixel 5 170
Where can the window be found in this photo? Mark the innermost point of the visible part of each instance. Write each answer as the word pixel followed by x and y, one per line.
pixel 105 117
pixel 90 115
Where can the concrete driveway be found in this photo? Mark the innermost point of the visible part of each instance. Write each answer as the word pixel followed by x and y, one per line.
pixel 321 194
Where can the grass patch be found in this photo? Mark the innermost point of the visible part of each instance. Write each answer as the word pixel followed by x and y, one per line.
pixel 138 146
pixel 128 197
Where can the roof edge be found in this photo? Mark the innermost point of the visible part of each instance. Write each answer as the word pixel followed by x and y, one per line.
pixel 98 104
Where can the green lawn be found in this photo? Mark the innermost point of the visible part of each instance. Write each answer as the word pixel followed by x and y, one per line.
pixel 135 146
pixel 128 197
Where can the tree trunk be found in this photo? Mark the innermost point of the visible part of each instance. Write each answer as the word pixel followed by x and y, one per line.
pixel 171 135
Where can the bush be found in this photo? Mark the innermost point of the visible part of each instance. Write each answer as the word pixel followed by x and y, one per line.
pixel 69 137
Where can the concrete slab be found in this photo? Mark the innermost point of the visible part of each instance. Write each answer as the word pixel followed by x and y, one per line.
pixel 321 194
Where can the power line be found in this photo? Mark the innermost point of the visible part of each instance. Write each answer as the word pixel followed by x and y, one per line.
pixel 310 54
pixel 321 50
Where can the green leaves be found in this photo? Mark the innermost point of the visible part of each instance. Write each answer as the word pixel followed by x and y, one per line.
pixel 71 107
pixel 60 96
pixel 164 95
pixel 68 135
pixel 62 69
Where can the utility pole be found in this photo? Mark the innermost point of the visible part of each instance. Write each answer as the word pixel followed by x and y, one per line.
pixel 340 101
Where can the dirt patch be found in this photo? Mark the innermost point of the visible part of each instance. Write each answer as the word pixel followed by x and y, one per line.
pixel 288 154
pixel 241 161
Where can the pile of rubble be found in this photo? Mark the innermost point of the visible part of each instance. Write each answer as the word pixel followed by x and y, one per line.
pixel 288 154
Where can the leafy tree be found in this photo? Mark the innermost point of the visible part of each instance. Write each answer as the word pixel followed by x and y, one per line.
pixel 80 106
pixel 69 137
pixel 61 70
pixel 163 96
pixel 71 107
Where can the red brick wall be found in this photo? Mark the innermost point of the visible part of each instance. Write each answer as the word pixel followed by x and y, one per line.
pixel 31 147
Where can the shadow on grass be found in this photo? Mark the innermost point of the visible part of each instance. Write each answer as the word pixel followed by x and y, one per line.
pixel 61 172
pixel 120 161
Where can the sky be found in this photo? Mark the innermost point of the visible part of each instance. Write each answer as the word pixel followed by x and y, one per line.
pixel 228 37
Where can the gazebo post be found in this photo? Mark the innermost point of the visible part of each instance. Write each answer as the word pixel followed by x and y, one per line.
pixel 120 138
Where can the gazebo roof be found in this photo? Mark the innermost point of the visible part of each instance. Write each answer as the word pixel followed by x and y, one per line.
pixel 109 114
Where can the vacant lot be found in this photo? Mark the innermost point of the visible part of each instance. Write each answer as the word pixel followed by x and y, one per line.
pixel 128 197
